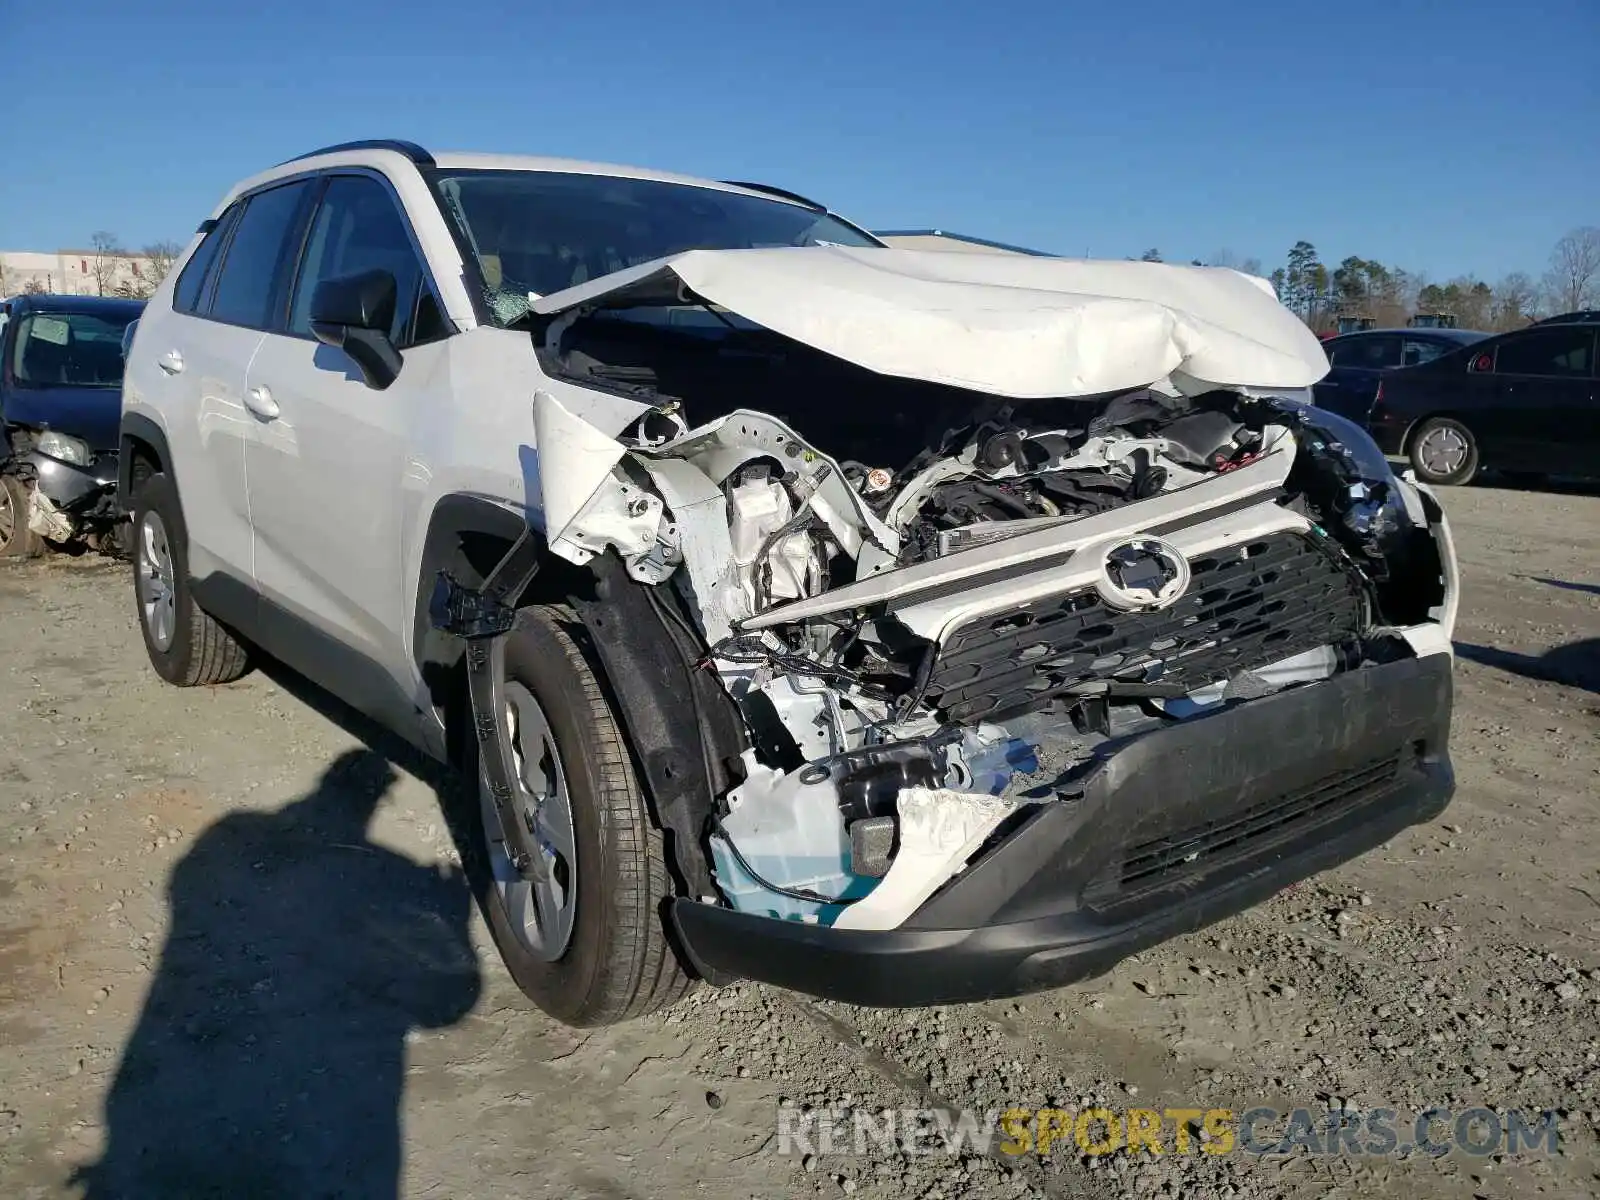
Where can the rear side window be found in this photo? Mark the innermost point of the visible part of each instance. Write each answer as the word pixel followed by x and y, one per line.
pixel 192 282
pixel 1372 353
pixel 1561 350
pixel 251 269
pixel 358 228
pixel 1417 352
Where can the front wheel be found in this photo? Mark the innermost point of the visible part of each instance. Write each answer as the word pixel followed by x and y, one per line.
pixel 582 932
pixel 1443 451
pixel 187 646
pixel 16 539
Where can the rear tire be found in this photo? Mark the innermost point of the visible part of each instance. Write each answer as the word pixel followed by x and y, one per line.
pixel 16 539
pixel 187 646
pixel 609 960
pixel 1443 451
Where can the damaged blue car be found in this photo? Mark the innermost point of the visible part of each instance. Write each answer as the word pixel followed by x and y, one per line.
pixel 60 401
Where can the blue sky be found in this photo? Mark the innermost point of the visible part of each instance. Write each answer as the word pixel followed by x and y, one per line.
pixel 1447 138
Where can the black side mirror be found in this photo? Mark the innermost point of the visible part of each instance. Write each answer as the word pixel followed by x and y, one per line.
pixel 354 313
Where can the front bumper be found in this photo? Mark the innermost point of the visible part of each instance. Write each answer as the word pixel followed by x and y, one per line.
pixel 1175 830
pixel 75 489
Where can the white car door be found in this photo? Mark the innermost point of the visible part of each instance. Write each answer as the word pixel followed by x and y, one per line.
pixel 186 371
pixel 329 454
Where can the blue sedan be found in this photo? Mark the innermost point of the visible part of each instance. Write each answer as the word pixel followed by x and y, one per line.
pixel 1358 360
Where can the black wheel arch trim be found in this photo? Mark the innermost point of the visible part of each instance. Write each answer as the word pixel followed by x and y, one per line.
pixel 686 752
pixel 684 729
pixel 136 427
pixel 467 535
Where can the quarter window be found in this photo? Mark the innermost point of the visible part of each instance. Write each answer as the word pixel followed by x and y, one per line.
pixel 1417 352
pixel 1558 350
pixel 250 269
pixel 1369 353
pixel 358 228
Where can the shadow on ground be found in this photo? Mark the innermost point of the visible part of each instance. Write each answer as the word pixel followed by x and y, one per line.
pixel 1576 664
pixel 1525 482
pixel 269 1059
pixel 1568 585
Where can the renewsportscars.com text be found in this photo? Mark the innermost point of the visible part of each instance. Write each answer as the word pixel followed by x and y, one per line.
pixel 1020 1130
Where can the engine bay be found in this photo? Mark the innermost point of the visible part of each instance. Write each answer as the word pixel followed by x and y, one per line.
pixel 932 630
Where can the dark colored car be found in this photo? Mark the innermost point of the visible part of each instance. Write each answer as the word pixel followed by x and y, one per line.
pixel 1526 402
pixel 60 405
pixel 1358 360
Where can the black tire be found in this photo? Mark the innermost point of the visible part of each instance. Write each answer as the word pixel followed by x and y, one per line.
pixel 18 541
pixel 200 651
pixel 1454 471
pixel 618 963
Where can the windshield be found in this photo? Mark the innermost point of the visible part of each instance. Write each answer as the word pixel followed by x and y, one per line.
pixel 543 231
pixel 64 349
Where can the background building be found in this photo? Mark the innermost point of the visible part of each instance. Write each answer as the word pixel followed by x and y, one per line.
pixel 943 239
pixel 105 272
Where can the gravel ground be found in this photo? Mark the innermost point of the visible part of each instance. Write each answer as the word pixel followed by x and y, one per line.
pixel 201 944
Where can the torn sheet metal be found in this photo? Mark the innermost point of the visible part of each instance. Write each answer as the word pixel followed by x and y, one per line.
pixel 575 459
pixel 1016 327
pixel 722 446
pixel 1435 637
pixel 939 831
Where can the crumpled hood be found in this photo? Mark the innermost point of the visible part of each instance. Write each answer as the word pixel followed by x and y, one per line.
pixel 1019 326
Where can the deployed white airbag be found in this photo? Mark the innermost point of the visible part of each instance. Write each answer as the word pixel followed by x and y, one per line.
pixel 1007 325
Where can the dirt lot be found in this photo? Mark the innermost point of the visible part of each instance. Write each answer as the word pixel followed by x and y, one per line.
pixel 202 946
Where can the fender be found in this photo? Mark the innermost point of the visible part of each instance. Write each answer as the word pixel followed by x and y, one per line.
pixel 686 753
pixel 467 535
pixel 1446 414
pixel 136 428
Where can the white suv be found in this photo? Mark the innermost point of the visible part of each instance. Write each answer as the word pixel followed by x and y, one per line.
pixel 895 626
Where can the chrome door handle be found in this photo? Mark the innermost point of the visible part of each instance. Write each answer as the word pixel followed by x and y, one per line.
pixel 171 362
pixel 259 401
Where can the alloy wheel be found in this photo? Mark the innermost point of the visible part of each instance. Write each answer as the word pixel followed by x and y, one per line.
pixel 540 909
pixel 154 583
pixel 1443 450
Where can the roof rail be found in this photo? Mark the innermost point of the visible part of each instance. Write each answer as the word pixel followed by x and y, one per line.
pixel 410 149
pixel 961 237
pixel 784 193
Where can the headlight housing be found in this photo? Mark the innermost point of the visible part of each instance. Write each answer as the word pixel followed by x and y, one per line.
pixel 63 448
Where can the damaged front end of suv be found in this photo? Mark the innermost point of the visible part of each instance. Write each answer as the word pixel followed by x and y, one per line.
pixel 1040 616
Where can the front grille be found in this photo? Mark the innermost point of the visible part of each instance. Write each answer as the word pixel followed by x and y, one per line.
pixel 1160 860
pixel 1247 606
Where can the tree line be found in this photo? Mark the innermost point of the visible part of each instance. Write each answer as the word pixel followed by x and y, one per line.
pixel 1391 295
pixel 119 272
pixel 1357 286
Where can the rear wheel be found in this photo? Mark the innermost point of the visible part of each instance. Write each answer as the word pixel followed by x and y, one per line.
pixel 583 934
pixel 186 645
pixel 1443 451
pixel 16 539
